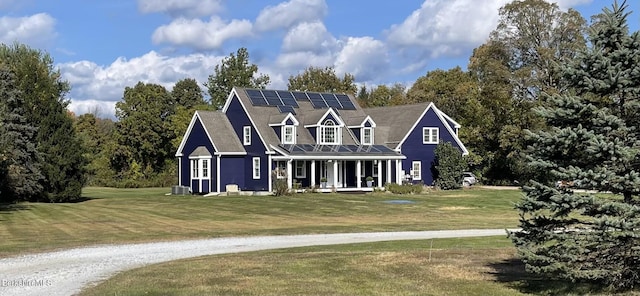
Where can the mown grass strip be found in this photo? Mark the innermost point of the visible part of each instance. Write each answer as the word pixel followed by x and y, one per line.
pixel 139 215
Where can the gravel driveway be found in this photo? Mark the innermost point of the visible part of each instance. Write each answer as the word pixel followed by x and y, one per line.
pixel 67 272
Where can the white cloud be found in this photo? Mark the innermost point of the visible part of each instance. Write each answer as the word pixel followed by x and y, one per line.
pixel 311 37
pixel 287 14
pixel 36 30
pixel 298 61
pixel 102 109
pixel 564 4
pixel 94 83
pixel 364 57
pixel 181 8
pixel 442 27
pixel 201 35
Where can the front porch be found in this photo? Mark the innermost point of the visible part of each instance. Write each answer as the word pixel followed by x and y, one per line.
pixel 337 175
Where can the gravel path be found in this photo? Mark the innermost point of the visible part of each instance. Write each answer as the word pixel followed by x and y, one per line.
pixel 67 272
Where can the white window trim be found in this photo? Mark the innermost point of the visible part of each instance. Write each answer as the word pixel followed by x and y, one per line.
pixel 416 174
pixel 246 135
pixel 362 137
pixel 427 135
pixel 336 132
pixel 293 134
pixel 374 167
pixel 256 168
pixel 281 169
pixel 197 168
pixel 303 166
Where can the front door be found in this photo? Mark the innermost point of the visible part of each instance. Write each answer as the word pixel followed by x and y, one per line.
pixel 328 166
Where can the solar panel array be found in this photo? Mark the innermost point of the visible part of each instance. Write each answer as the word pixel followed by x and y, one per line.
pixel 288 100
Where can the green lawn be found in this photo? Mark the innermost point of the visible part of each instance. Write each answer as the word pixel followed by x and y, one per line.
pixel 469 266
pixel 136 215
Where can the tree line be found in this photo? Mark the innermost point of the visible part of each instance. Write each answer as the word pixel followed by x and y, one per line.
pixel 547 98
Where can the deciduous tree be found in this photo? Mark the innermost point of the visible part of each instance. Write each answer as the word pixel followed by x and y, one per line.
pixel 234 71
pixel 322 80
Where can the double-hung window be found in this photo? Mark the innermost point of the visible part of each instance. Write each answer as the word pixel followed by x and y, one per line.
pixel 281 169
pixel 246 135
pixel 200 168
pixel 329 133
pixel 430 135
pixel 367 136
pixel 416 170
pixel 301 169
pixel 256 167
pixel 288 134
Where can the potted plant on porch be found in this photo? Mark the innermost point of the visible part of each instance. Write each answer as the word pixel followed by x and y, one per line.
pixel 369 181
pixel 323 182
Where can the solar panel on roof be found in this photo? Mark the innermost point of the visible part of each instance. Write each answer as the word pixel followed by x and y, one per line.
pixel 256 97
pixel 345 102
pixel 299 95
pixel 272 98
pixel 286 109
pixel 317 101
pixel 274 101
pixel 285 94
pixel 290 102
pixel 331 101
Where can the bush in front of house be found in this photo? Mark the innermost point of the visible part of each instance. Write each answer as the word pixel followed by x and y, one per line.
pixel 404 189
pixel 448 167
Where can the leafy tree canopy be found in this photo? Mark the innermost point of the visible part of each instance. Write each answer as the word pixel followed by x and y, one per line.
pixel 234 71
pixel 322 80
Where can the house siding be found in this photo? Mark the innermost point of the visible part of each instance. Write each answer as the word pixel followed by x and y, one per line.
pixel 197 137
pixel 232 171
pixel 415 150
pixel 239 119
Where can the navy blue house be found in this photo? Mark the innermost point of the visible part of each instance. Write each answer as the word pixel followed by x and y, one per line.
pixel 313 140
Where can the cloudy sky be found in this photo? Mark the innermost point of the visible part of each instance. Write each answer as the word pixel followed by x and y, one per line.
pixel 102 46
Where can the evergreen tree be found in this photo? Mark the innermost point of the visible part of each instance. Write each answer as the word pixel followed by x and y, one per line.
pixel 45 107
pixel 593 141
pixel 20 174
pixel 448 167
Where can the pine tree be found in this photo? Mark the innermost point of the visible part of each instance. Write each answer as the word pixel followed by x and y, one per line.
pixel 593 141
pixel 20 173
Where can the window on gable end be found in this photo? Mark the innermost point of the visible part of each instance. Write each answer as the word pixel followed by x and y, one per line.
pixel 430 135
pixel 246 135
pixel 256 167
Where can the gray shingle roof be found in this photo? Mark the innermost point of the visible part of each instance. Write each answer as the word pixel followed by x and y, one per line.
pixel 221 131
pixel 394 122
pixel 305 114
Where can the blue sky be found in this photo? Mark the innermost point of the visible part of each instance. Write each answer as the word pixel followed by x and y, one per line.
pixel 102 46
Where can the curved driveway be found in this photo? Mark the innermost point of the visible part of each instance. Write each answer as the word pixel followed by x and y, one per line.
pixel 67 272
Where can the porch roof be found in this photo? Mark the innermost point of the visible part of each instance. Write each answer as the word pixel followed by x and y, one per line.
pixel 340 151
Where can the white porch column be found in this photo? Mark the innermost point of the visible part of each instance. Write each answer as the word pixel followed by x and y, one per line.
pixel 358 176
pixel 313 173
pixel 379 173
pixel 398 170
pixel 335 174
pixel 218 174
pixel 389 171
pixel 289 175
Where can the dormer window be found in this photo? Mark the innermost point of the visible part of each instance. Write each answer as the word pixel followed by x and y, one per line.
pixel 367 136
pixel 288 134
pixel 329 133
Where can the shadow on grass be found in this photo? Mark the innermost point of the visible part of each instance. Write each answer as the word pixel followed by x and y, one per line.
pixel 6 208
pixel 512 272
